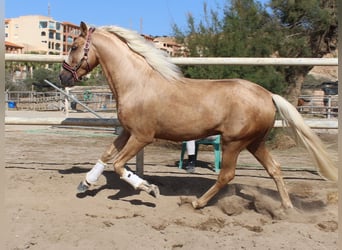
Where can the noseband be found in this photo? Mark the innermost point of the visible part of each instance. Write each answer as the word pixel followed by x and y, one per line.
pixel 73 70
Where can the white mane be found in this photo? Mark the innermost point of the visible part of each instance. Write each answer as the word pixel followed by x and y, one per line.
pixel 155 57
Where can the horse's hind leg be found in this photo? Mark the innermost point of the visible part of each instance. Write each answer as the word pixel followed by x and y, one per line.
pixel 262 154
pixel 93 175
pixel 227 173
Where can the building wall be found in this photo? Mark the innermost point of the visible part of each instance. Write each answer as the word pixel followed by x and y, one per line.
pixel 169 45
pixel 70 32
pixel 36 34
pixel 12 48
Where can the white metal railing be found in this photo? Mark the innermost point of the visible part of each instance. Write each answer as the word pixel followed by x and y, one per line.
pixel 33 58
pixel 197 60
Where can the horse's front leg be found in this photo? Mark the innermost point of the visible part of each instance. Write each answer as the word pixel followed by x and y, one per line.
pixel 132 147
pixel 93 175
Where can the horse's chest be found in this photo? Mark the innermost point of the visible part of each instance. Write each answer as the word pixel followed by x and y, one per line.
pixel 129 112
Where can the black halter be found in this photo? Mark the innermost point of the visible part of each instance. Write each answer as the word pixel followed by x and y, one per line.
pixel 73 70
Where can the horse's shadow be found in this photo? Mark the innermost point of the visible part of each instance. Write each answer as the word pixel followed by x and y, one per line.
pixel 186 185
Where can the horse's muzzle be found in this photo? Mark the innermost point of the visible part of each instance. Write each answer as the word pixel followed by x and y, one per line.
pixel 67 79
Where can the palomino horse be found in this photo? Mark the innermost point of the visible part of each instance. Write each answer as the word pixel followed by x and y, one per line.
pixel 155 101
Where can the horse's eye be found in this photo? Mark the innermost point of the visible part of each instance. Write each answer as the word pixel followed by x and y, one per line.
pixel 73 47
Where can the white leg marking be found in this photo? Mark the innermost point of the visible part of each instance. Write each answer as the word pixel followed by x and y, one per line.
pixel 94 174
pixel 131 178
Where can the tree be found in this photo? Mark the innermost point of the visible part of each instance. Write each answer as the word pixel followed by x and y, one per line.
pixel 288 28
pixel 242 32
pixel 304 29
pixel 95 78
pixel 39 75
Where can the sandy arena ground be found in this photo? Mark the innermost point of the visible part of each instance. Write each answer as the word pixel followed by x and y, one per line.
pixel 45 164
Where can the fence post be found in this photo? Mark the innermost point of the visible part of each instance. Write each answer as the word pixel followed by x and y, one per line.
pixel 6 100
pixel 329 107
pixel 140 163
pixel 66 101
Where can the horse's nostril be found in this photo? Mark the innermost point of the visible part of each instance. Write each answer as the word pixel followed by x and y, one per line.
pixel 66 79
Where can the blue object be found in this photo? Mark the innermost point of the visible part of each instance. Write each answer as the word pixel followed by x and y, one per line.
pixel 217 150
pixel 12 105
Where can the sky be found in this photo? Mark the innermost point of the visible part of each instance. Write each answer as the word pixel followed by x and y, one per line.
pixel 150 17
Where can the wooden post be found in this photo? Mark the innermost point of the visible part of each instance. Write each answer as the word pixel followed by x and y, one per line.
pixel 66 102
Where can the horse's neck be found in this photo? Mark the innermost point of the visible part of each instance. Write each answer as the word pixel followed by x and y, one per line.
pixel 121 66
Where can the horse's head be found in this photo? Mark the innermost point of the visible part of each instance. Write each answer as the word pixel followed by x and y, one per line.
pixel 80 60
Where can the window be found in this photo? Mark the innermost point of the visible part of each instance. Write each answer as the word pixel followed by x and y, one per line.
pixel 43 33
pixel 42 24
pixel 52 25
pixel 58 36
pixel 51 36
pixel 70 40
pixel 58 26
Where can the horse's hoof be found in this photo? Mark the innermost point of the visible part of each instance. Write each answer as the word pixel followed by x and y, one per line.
pixel 195 204
pixel 154 191
pixel 82 187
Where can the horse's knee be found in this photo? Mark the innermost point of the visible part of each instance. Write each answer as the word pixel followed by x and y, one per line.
pixel 106 156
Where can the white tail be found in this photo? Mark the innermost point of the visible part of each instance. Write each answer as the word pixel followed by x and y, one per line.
pixel 311 141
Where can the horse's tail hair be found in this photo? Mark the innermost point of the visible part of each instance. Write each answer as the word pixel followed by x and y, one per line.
pixel 311 141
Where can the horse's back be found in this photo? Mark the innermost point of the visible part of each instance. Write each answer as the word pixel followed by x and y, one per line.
pixel 238 92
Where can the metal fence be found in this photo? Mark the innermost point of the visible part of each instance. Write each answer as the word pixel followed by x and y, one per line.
pixel 31 100
pixel 322 106
pixel 56 101
pixel 96 100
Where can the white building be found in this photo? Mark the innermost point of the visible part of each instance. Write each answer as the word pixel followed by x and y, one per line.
pixel 39 34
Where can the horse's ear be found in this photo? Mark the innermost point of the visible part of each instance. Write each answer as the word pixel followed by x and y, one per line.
pixel 84 29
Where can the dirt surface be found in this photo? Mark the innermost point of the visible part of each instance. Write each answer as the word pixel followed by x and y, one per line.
pixel 44 165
